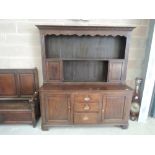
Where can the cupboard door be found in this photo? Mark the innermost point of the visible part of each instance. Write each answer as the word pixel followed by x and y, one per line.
pixel 57 109
pixel 115 109
pixel 53 70
pixel 116 71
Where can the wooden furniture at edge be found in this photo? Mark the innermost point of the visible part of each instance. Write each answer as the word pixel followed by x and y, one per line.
pixel 19 96
pixel 84 73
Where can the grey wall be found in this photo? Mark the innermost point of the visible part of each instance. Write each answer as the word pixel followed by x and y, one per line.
pixel 20 43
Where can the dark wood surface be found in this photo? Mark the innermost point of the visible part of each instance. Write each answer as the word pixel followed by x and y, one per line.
pixel 116 70
pixel 87 104
pixel 57 108
pixel 53 70
pixel 86 118
pixel 19 98
pixel 72 43
pixel 84 30
pixel 84 87
pixel 84 73
pixel 8 85
pixel 85 107
pixel 85 47
pixel 64 104
pixel 18 82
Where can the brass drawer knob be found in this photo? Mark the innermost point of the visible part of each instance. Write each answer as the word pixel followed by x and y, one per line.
pixel 85 118
pixel 86 98
pixel 86 107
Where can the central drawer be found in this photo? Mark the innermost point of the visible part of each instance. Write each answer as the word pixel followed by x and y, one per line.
pixel 87 98
pixel 86 118
pixel 86 107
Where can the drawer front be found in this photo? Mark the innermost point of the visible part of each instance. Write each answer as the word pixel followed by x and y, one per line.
pixel 87 98
pixel 86 107
pixel 86 118
pixel 8 105
pixel 15 117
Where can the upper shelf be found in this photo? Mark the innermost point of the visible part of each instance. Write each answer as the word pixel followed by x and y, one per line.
pixel 75 47
pixel 84 30
pixel 83 59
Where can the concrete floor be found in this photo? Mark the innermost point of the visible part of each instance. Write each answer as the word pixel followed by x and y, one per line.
pixel 135 128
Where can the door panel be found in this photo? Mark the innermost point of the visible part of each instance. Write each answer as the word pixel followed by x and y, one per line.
pixel 115 71
pixel 8 85
pixel 27 86
pixel 53 70
pixel 57 109
pixel 114 108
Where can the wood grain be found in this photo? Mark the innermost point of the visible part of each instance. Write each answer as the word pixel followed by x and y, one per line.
pixel 19 100
pixel 8 85
pixel 81 62
pixel 85 47
pixel 82 71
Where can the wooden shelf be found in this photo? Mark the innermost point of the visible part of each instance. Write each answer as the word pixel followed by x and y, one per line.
pixel 83 59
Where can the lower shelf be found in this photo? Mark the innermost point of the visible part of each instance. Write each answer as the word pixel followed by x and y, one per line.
pixel 16 111
pixel 90 71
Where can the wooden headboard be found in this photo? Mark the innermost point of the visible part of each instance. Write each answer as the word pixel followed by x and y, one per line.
pixel 18 82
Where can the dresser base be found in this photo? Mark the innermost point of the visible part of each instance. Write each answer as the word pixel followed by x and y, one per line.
pixel 85 105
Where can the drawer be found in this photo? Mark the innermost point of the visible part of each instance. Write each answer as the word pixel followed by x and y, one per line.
pixel 86 118
pixel 87 98
pixel 15 117
pixel 9 105
pixel 89 107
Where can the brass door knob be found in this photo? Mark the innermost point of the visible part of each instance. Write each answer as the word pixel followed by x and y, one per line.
pixel 86 98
